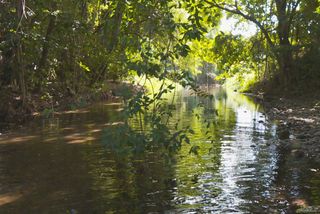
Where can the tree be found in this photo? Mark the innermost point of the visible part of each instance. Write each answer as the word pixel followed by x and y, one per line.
pixel 276 21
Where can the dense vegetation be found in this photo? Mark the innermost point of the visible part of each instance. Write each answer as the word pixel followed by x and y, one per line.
pixel 65 48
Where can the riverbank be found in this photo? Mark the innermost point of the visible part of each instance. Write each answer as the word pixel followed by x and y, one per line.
pixel 298 120
pixel 13 113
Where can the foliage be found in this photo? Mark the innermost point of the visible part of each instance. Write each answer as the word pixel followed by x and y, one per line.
pixel 65 48
pixel 242 81
pixel 67 44
pixel 286 29
pixel 147 118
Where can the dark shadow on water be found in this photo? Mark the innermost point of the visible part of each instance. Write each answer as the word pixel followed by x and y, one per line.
pixel 60 165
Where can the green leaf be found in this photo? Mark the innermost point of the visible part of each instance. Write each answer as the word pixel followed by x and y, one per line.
pixel 84 67
pixel 194 150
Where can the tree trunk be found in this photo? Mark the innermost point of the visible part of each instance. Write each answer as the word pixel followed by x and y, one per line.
pixel 284 56
pixel 21 73
pixel 116 25
pixel 285 61
pixel 18 53
pixel 45 49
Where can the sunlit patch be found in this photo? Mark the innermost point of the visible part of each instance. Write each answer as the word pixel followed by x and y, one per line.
pixel 79 111
pixel 90 125
pixel 16 139
pixel 82 140
pixel 299 203
pixel 78 139
pixel 49 140
pixel 95 131
pixel 9 198
pixel 113 104
pixel 35 113
pixel 307 120
pixel 114 124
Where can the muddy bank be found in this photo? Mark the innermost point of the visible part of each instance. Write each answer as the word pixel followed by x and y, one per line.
pixel 298 121
pixel 14 113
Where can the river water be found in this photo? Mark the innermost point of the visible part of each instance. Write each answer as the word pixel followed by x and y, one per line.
pixel 61 165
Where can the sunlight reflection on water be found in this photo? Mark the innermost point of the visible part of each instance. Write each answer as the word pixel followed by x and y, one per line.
pixel 59 165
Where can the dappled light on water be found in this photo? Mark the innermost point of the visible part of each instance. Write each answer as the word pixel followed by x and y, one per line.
pixel 113 104
pixel 66 167
pixel 81 111
pixel 16 139
pixel 9 198
pixel 78 138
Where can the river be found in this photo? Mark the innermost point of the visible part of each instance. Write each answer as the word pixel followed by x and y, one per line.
pixel 61 165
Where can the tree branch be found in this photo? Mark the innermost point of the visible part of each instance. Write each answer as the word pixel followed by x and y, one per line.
pixel 237 11
pixel 293 12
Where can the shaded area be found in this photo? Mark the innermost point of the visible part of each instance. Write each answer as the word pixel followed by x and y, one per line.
pixel 60 165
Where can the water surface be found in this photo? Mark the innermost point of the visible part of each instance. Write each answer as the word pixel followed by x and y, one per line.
pixel 60 165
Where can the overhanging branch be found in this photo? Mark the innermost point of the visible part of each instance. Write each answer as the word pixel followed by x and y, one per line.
pixel 237 11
